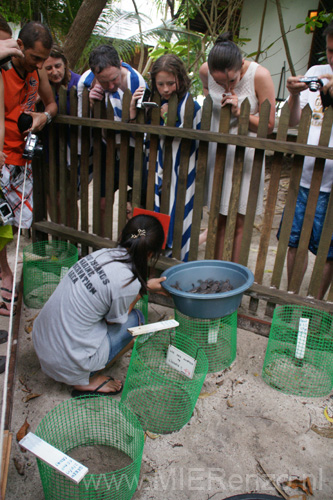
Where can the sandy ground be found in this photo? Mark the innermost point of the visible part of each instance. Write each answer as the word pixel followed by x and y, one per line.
pixel 237 422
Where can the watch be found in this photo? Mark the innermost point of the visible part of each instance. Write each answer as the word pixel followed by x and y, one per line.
pixel 48 116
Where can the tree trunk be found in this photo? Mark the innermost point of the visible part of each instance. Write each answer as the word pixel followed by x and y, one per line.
pixel 284 38
pixel 82 28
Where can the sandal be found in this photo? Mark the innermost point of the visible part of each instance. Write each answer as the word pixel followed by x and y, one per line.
pixel 76 393
pixel 10 293
pixel 5 311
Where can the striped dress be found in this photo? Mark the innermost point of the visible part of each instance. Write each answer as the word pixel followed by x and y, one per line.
pixel 176 148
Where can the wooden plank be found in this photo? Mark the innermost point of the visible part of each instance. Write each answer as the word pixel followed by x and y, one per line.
pixel 110 165
pixel 39 194
pixel 200 180
pixel 154 139
pixel 324 245
pixel 123 162
pixel 167 156
pixel 97 171
pixel 221 151
pixel 182 181
pixel 73 206
pixel 254 186
pixel 272 194
pixel 237 173
pixel 84 168
pixel 53 174
pixel 290 205
pixel 245 141
pixel 7 444
pixel 302 250
pixel 62 193
pixel 138 162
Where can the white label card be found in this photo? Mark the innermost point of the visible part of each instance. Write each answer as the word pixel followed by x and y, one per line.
pixel 303 327
pixel 181 361
pixel 54 457
pixel 153 327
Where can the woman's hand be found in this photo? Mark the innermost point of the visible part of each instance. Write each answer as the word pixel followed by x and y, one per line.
pixel 154 285
pixel 164 111
pixel 232 99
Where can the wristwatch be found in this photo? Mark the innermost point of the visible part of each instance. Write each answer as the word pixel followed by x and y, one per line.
pixel 48 116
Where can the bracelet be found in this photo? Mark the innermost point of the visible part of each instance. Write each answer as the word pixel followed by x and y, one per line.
pixel 48 116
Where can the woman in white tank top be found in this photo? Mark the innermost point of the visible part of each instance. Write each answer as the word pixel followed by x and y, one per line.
pixel 229 79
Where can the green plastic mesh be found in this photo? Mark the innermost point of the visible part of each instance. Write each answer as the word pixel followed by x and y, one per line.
pixel 90 424
pixel 142 305
pixel 162 398
pixel 310 375
pixel 217 337
pixel 44 264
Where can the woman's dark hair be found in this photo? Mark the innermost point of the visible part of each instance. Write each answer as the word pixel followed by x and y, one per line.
pixel 225 54
pixel 171 64
pixel 58 53
pixel 143 237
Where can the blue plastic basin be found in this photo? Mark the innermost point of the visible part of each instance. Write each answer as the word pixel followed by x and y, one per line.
pixel 213 305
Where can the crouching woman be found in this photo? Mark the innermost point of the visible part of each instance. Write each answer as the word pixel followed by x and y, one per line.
pixel 83 326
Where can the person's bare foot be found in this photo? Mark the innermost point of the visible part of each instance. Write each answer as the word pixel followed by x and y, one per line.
pixel 110 385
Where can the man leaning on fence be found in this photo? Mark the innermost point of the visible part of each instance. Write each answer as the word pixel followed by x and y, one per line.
pixel 23 79
pixel 108 78
pixel 300 96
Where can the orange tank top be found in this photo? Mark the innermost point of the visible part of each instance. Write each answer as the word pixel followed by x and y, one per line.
pixel 20 95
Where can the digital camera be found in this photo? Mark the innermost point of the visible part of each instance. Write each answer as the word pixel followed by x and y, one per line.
pixel 32 147
pixel 143 102
pixel 313 82
pixel 6 212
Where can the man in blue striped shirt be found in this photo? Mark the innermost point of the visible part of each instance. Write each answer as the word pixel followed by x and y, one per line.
pixel 107 79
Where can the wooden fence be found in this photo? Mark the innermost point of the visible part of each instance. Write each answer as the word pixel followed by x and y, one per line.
pixel 60 220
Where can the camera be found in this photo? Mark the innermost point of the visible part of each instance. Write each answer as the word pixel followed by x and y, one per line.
pixel 32 147
pixel 143 102
pixel 6 212
pixel 313 82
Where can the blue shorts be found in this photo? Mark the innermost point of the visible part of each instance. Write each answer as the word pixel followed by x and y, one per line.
pixel 318 222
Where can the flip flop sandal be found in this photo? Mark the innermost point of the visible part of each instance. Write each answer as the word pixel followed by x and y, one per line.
pixel 2 363
pixel 3 336
pixel 5 311
pixel 6 299
pixel 77 394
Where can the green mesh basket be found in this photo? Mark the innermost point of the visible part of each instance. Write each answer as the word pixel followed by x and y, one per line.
pixel 142 305
pixel 44 264
pixel 217 337
pixel 162 398
pixel 100 433
pixel 295 363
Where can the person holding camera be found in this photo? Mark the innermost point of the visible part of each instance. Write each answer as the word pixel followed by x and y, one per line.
pixel 23 79
pixel 301 94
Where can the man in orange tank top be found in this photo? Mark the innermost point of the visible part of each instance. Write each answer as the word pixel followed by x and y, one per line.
pixel 23 79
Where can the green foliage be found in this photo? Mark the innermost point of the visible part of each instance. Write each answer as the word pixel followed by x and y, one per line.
pixel 311 23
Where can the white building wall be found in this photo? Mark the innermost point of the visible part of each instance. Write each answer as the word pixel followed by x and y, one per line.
pixel 294 12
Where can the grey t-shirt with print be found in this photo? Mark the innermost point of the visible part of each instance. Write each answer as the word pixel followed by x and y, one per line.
pixel 70 332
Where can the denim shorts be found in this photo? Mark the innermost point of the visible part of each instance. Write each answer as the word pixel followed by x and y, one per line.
pixel 318 222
